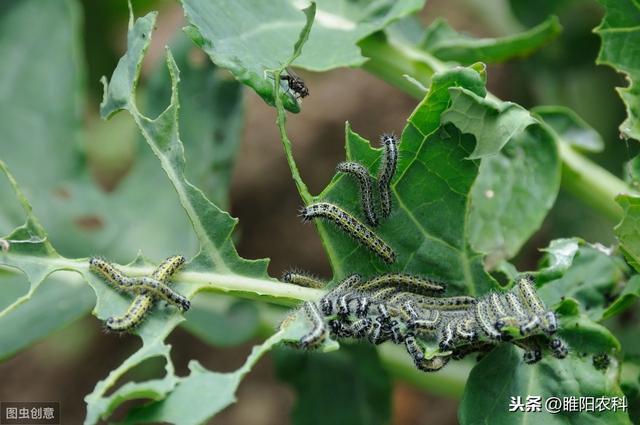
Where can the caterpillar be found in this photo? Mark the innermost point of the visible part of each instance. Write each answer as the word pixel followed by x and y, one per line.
pixel 454 303
pixel 110 273
pixel 387 170
pixel 352 226
pixel 318 332
pixel 133 316
pixel 156 288
pixel 533 303
pixel 146 290
pixel 404 282
pixel 532 352
pixel 417 354
pixel 302 279
pixel 168 268
pixel 328 302
pixel 528 295
pixel 425 325
pixel 380 311
pixel 485 321
pixel 365 182
pixel 154 285
pixel 558 348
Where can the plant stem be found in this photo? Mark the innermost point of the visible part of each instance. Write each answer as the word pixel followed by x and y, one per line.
pixel 228 283
pixel 391 59
pixel 591 183
pixel 286 143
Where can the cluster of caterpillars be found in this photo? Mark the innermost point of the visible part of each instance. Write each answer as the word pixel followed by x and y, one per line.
pixel 406 310
pixel 359 231
pixel 145 289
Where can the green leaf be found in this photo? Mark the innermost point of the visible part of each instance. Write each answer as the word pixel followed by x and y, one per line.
pixel 216 262
pixel 428 225
pixel 446 44
pixel 202 394
pixel 570 128
pixel 502 374
pixel 492 122
pixel 514 192
pixel 211 117
pixel 519 174
pixel 558 258
pixel 53 305
pixel 42 91
pixel 591 279
pixel 628 230
pixel 360 388
pixel 212 226
pixel 250 38
pixel 632 172
pixel 42 106
pixel 630 384
pixel 582 334
pixel 628 297
pixel 220 322
pixel 620 49
pixel 26 245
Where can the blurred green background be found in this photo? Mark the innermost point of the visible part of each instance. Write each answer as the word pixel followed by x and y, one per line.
pixel 105 157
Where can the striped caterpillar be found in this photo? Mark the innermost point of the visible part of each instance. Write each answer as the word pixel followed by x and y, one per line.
pixel 388 167
pixel 146 290
pixel 134 315
pixel 352 226
pixel 301 278
pixel 398 308
pixel 361 173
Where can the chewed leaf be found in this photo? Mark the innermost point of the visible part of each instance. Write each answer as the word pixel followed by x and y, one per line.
pixel 213 228
pixel 430 198
pixel 591 279
pixel 626 299
pixel 27 249
pixel 559 256
pixel 620 34
pixel 42 106
pixel 493 123
pixel 203 393
pixel 501 379
pixel 519 175
pixel 514 192
pixel 249 38
pixel 628 230
pixel 446 44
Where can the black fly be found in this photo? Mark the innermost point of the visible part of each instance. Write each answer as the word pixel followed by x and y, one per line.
pixel 296 84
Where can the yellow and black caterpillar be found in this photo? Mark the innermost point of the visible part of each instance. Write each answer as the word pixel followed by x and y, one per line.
pixel 146 290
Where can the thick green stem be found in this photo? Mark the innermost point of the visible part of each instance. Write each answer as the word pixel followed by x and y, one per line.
pixel 591 183
pixel 392 59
